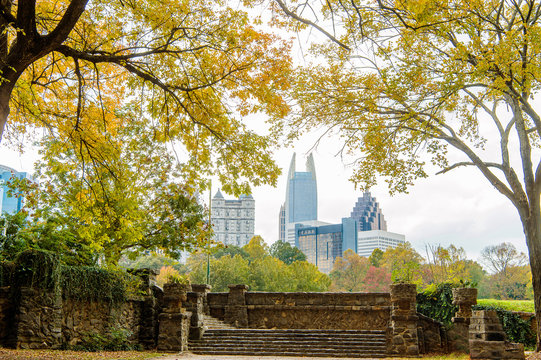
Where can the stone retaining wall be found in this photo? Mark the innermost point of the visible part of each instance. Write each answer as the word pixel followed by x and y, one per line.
pixel 318 310
pixel 301 310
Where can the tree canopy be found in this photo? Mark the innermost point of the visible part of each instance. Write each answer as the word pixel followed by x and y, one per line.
pixel 285 252
pixel 189 68
pixel 407 84
pixel 132 199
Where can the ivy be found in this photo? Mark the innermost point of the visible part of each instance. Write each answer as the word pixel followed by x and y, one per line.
pixel 43 270
pixel 85 282
pixel 436 302
pixel 516 329
pixel 7 270
pixel 38 269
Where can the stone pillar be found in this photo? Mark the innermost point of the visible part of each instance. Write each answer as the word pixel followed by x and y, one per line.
pixel 487 338
pixel 404 340
pixel 194 304
pixel 150 309
pixel 236 312
pixel 174 320
pixel 203 289
pixel 464 298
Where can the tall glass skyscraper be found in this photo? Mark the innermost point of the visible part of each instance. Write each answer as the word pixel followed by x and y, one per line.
pixel 301 199
pixel 10 204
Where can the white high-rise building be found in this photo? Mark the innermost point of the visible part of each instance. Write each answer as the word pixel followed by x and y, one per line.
pixel 368 241
pixel 233 221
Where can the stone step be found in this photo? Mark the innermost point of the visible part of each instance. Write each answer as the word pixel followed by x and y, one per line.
pixel 299 348
pixel 301 331
pixel 303 337
pixel 228 340
pixel 303 353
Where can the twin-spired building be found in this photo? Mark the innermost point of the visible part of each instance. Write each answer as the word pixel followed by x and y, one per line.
pixel 363 231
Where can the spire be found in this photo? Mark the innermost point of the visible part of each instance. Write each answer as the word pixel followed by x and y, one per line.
pixel 218 195
pixel 291 172
pixel 311 166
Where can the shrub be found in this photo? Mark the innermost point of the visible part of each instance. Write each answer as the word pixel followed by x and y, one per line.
pixel 114 340
pixel 170 275
pixel 436 302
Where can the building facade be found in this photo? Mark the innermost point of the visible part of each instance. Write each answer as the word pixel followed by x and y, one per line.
pixel 233 221
pixel 10 204
pixel 323 243
pixel 300 205
pixel 368 241
pixel 368 214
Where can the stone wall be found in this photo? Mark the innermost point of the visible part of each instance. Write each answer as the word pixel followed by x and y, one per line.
pixel 81 317
pixel 487 338
pixel 432 335
pixel 301 310
pixel 6 315
pixel 318 310
pixel 217 302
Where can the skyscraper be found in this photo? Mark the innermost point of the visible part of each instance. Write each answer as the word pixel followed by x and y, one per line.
pixel 233 221
pixel 368 214
pixel 10 204
pixel 300 206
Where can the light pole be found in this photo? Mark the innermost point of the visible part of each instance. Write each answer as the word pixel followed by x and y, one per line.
pixel 210 227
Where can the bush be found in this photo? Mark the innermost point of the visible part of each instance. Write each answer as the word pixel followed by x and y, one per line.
pixel 436 302
pixel 114 340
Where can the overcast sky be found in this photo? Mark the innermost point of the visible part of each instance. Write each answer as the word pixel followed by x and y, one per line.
pixel 458 208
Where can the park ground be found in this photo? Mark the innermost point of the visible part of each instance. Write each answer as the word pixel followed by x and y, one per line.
pixel 8 354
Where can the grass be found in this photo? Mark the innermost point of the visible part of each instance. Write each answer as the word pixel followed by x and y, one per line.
pixel 511 305
pixel 11 354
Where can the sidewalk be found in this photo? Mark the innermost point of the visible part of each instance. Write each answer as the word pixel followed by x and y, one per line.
pixel 188 356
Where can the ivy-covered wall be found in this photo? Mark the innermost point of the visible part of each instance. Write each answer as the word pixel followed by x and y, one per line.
pixel 44 304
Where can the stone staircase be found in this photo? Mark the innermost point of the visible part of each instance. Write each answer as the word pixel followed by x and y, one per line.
pixel 291 342
pixel 215 324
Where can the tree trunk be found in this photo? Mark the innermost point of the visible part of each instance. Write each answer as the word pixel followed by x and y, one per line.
pixel 532 227
pixel 5 95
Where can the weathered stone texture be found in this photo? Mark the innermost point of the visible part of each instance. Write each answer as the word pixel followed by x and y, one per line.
pixel 487 338
pixel 174 321
pixel 432 335
pixel 404 319
pixel 464 298
pixel 38 321
pixel 217 303
pixel 6 314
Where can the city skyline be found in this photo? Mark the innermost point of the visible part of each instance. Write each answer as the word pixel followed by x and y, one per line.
pixel 456 208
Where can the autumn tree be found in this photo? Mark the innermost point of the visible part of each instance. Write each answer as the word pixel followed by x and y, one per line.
pixel 284 251
pixel 189 68
pixel 411 83
pixel 510 275
pixel 447 264
pixel 404 263
pixel 376 257
pixel 500 258
pixel 348 272
pixel 256 248
pixel 133 200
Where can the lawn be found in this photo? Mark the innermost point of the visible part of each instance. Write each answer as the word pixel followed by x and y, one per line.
pixel 10 354
pixel 511 305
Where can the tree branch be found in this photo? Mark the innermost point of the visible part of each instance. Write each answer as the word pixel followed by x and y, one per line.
pixel 310 23
pixel 466 163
